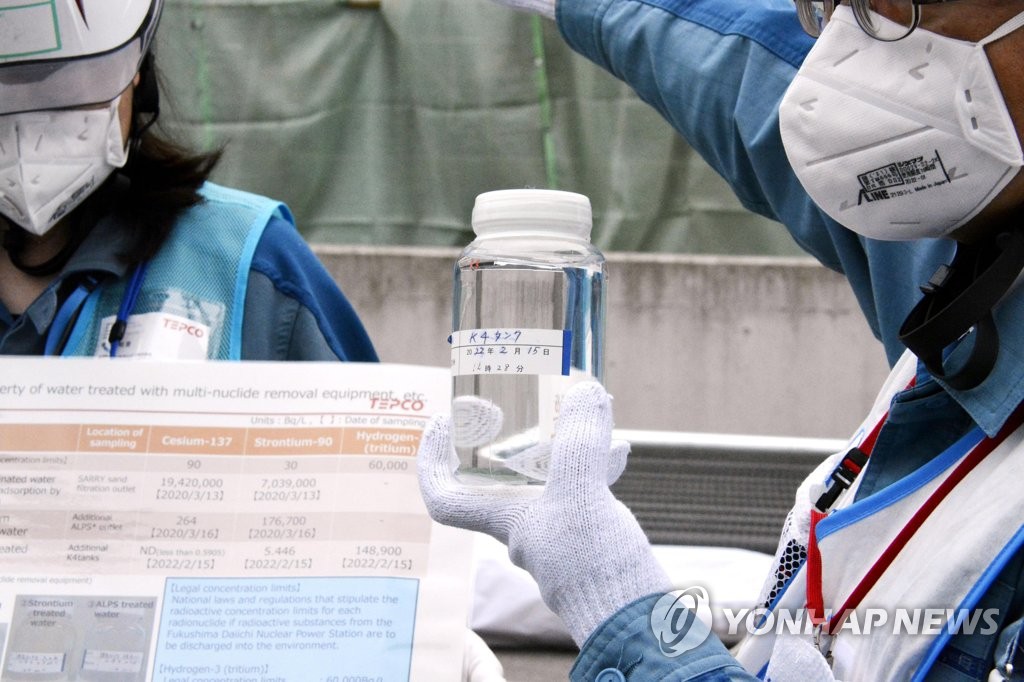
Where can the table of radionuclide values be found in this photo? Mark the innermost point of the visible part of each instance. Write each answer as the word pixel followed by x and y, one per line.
pixel 229 504
pixel 109 497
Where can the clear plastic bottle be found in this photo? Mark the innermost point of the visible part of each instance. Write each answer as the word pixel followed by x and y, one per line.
pixel 528 323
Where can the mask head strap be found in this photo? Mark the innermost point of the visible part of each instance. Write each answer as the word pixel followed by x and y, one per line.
pixel 1003 30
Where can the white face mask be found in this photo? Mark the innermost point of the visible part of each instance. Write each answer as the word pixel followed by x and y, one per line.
pixel 899 140
pixel 50 161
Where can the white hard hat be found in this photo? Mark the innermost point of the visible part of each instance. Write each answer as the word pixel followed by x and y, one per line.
pixel 71 53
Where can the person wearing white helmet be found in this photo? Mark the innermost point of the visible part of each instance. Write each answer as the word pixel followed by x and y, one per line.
pixel 885 135
pixel 114 241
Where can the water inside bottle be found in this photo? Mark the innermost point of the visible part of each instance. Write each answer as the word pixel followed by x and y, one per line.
pixel 503 413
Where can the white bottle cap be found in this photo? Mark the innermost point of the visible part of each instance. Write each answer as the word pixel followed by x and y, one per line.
pixel 532 212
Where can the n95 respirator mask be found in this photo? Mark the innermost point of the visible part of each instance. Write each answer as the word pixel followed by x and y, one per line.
pixel 899 140
pixel 50 161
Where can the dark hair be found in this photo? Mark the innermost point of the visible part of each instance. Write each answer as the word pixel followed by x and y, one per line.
pixel 164 176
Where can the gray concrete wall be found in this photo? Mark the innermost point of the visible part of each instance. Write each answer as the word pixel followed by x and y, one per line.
pixel 762 346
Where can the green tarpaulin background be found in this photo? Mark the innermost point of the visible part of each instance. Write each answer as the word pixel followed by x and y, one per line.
pixel 380 126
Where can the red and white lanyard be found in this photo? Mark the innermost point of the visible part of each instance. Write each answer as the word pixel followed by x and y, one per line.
pixel 843 477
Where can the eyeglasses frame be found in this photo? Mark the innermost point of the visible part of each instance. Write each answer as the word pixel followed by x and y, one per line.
pixel 861 11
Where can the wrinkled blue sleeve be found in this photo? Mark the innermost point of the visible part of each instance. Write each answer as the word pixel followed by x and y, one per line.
pixel 293 308
pixel 627 644
pixel 716 70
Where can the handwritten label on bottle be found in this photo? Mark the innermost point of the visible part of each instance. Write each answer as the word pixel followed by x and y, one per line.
pixel 511 351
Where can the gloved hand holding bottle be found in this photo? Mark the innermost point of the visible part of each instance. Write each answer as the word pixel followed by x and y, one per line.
pixel 584 548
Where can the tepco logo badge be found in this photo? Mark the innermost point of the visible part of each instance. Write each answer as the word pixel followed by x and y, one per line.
pixel 681 620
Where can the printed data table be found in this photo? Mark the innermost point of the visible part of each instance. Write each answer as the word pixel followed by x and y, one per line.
pixel 223 521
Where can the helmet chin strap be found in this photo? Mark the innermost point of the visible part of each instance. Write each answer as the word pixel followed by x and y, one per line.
pixel 957 305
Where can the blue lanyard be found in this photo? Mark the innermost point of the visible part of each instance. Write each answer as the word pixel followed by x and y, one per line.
pixel 131 295
pixel 67 315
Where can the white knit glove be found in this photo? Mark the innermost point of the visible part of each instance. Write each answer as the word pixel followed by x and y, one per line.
pixel 544 8
pixel 477 421
pixel 584 548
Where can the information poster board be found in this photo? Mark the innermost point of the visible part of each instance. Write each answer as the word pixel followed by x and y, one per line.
pixel 223 522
